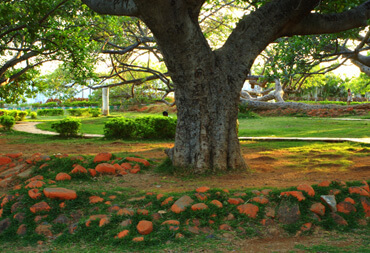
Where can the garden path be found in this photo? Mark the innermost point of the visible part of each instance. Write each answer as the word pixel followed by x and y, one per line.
pixel 30 127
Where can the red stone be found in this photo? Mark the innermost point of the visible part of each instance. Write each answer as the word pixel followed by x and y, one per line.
pixel 103 221
pixel 60 193
pixel 199 206
pixel 102 157
pixel 40 207
pixel 235 201
pixel 260 199
pixel 35 178
pixel 142 211
pixel 350 200
pixel 297 194
pixel 249 209
pixel 144 227
pixel 34 193
pixel 366 205
pixel 117 166
pixel 202 189
pixel 95 199
pixel 79 169
pixel 324 183
pixel 181 204
pixel 166 201
pixel 217 203
pixel 138 239
pixel 171 222
pixel 318 208
pixel 105 168
pixel 139 160
pixel 365 186
pixel 345 207
pixel 5 160
pixel 135 170
pixel 92 172
pixel 306 188
pixel 62 177
pixel 34 184
pixel 358 190
pixel 123 234
pixel 127 211
pixel 126 166
pixel 266 191
pixel 306 226
pixel 22 230
pixel 225 227
pixel 201 196
pixel 14 155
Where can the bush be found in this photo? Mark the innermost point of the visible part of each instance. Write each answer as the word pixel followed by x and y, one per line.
pixel 145 127
pixel 7 122
pixel 120 128
pixel 50 112
pixel 33 115
pixel 246 113
pixel 95 112
pixel 22 115
pixel 67 127
pixel 78 112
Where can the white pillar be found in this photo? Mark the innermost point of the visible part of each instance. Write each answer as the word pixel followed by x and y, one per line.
pixel 105 107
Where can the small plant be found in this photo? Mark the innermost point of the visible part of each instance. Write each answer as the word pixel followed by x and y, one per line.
pixel 67 127
pixel 95 112
pixel 33 115
pixel 7 122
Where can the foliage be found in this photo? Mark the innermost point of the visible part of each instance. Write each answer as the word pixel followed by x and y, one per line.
pixel 7 122
pixel 95 112
pixel 16 114
pixel 50 112
pixel 144 127
pixel 79 111
pixel 33 115
pixel 246 113
pixel 68 127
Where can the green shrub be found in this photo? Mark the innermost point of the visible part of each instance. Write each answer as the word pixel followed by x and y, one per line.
pixel 33 115
pixel 246 113
pixel 120 128
pixel 22 115
pixel 49 104
pixel 145 127
pixel 67 127
pixel 78 112
pixel 50 112
pixel 7 122
pixel 95 112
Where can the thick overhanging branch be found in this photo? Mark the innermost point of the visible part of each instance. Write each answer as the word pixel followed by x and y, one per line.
pixel 330 23
pixel 113 7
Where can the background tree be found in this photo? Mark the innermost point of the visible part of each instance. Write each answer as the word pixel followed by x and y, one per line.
pixel 208 82
pixel 35 32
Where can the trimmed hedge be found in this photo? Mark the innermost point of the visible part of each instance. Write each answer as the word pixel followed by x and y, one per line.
pixel 67 127
pixel 16 114
pixel 151 127
pixel 50 112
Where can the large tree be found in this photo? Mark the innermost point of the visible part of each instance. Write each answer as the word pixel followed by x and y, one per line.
pixel 208 82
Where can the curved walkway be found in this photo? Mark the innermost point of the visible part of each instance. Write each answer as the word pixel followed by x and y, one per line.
pixel 30 127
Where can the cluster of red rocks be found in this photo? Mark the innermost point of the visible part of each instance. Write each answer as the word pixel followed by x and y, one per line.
pixel 139 218
pixel 14 165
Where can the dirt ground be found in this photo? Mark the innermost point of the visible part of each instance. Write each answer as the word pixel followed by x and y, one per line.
pixel 273 170
pixel 266 170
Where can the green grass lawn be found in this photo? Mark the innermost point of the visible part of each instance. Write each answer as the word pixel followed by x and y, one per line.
pixel 260 127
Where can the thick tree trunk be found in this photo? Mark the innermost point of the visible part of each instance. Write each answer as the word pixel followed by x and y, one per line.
pixel 206 134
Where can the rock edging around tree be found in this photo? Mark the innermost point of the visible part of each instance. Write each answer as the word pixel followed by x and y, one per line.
pixel 46 207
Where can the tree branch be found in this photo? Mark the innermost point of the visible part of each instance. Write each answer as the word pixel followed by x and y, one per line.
pixel 113 7
pixel 330 23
